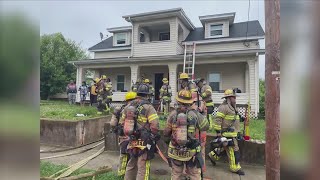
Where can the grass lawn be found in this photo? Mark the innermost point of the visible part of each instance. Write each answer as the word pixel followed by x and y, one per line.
pixel 62 110
pixel 257 128
pixel 47 169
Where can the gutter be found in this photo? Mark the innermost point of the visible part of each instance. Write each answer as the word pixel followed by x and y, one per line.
pixel 111 49
pixel 209 41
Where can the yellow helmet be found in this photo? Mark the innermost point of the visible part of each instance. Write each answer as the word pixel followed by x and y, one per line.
pixel 130 95
pixel 97 80
pixel 146 81
pixel 229 93
pixel 165 80
pixel 103 77
pixel 184 76
pixel 184 96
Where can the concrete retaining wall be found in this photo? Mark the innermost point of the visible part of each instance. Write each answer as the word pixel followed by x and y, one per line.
pixel 71 133
pixel 252 152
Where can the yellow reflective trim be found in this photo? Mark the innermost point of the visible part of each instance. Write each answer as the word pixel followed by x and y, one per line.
pixel 152 115
pixel 209 104
pixel 203 123
pixel 233 166
pixel 209 90
pixel 232 117
pixel 123 166
pixel 220 114
pixel 204 94
pixel 230 134
pixel 147 174
pixel 217 127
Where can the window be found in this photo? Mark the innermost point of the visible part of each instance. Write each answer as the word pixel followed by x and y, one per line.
pixel 216 30
pixel 120 83
pixel 121 38
pixel 164 36
pixel 214 81
pixel 142 37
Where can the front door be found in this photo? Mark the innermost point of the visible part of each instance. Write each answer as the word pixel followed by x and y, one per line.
pixel 157 84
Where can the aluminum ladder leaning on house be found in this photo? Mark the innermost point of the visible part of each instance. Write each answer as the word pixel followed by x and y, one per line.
pixel 189 60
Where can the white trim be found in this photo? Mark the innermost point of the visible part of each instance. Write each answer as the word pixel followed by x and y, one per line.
pixel 214 17
pixel 122 28
pixel 223 40
pixel 111 49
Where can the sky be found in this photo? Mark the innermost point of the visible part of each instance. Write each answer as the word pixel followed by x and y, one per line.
pixel 82 21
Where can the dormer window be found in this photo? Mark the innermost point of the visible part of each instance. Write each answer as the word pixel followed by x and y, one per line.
pixel 121 38
pixel 216 30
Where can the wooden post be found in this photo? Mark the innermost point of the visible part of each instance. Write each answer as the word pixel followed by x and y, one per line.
pixel 272 77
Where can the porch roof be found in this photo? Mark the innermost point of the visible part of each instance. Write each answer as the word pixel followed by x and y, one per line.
pixel 167 58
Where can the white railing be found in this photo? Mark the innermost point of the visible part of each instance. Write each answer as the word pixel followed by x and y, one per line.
pixel 241 99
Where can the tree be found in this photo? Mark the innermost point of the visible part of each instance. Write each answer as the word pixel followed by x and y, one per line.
pixel 55 71
pixel 262 91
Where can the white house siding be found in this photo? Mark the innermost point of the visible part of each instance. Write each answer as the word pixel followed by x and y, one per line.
pixel 200 48
pixel 225 29
pixel 112 74
pixel 112 54
pixel 158 48
pixel 232 74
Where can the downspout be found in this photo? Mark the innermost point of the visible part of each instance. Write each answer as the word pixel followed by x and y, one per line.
pixel 131 38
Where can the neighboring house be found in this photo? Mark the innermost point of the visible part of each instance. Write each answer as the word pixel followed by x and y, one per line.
pixel 227 53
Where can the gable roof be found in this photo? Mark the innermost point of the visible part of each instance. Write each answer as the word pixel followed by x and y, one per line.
pixel 236 30
pixel 107 44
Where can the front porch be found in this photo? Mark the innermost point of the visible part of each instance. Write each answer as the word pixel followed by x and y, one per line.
pixel 220 73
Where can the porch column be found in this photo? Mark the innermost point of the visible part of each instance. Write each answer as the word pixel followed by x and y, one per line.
pixel 134 73
pixel 246 87
pixel 173 80
pixel 252 86
pixel 79 79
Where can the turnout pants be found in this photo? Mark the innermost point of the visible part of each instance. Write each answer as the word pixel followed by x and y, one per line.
pixel 191 169
pixel 210 116
pixel 138 168
pixel 233 154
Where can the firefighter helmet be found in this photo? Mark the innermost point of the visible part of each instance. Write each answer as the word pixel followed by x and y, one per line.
pixel 146 81
pixel 130 95
pixel 229 93
pixel 143 89
pixel 165 80
pixel 184 96
pixel 97 80
pixel 103 77
pixel 183 76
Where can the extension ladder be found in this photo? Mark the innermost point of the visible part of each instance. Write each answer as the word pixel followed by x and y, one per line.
pixel 189 60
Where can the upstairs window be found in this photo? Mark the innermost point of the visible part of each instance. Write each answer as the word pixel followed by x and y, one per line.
pixel 121 39
pixel 215 81
pixel 164 36
pixel 216 30
pixel 120 83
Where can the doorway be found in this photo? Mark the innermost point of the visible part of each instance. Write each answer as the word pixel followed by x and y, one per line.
pixel 157 84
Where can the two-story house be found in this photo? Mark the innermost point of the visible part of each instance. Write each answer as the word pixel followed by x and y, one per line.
pixel 226 53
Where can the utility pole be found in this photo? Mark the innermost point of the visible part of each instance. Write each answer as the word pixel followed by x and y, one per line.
pixel 272 79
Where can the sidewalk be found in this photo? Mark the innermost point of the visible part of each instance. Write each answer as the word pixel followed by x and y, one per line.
pixel 159 169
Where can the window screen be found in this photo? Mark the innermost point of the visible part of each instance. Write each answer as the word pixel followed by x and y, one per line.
pixel 216 30
pixel 214 81
pixel 121 38
pixel 120 83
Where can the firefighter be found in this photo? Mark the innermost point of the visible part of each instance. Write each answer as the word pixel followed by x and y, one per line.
pixel 117 128
pixel 227 125
pixel 141 125
pixel 108 85
pixel 101 106
pixel 135 86
pixel 200 106
pixel 184 148
pixel 205 92
pixel 165 95
pixel 186 83
pixel 151 89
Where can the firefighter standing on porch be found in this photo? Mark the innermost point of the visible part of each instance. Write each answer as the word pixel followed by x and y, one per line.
pixel 141 126
pixel 118 129
pixel 185 83
pixel 165 95
pixel 227 124
pixel 184 147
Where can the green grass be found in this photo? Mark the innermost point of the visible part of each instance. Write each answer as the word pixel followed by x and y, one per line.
pixel 62 110
pixel 47 169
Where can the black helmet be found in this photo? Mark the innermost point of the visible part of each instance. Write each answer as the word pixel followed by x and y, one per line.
pixel 143 89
